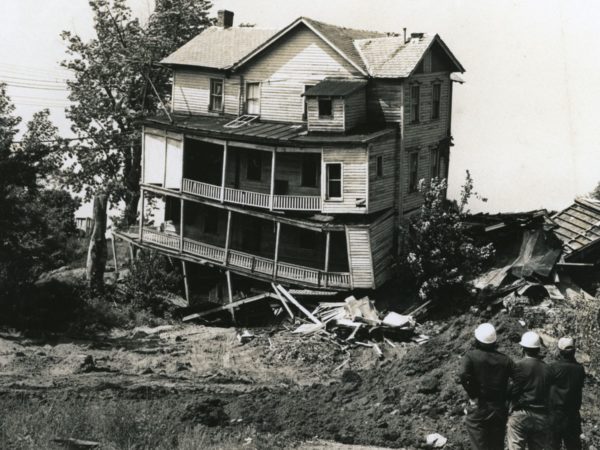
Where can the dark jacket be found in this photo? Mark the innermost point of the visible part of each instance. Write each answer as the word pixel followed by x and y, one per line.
pixel 531 382
pixel 569 377
pixel 484 375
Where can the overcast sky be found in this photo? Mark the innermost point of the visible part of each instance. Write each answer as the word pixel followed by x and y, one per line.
pixel 525 123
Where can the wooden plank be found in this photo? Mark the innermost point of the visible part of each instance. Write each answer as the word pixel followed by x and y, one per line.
pixel 141 232
pixel 283 301
pixel 272 188
pixel 230 293
pixel 224 172
pixel 276 258
pixel 288 296
pixel 114 250
pixel 227 238
pixel 228 306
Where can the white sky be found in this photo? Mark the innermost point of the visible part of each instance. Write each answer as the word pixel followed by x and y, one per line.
pixel 525 123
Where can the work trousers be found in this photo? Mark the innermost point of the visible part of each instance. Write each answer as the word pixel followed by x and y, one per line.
pixel 529 430
pixel 566 430
pixel 486 427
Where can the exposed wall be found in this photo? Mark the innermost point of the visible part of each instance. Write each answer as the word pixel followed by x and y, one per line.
pixel 355 109
pixel 354 175
pixel 191 92
pixel 334 123
pixel 361 263
pixel 382 245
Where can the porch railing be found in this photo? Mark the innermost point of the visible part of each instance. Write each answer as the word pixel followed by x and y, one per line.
pixel 152 236
pixel 297 202
pixel 201 189
pixel 250 198
pixel 204 250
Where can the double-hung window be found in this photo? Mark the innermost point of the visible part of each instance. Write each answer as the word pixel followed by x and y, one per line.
pixel 253 98
pixel 216 95
pixel 415 103
pixel 413 174
pixel 436 94
pixel 435 162
pixel 334 188
pixel 379 166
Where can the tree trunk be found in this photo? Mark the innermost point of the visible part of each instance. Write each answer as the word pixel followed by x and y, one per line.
pixel 97 252
pixel 131 207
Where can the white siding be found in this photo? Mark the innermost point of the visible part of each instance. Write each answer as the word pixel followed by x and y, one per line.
pixel 354 176
pixel 191 92
pixel 333 123
pixel 359 252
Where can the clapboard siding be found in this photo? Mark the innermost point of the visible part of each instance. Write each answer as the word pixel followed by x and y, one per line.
pixel 382 245
pixel 384 100
pixel 355 109
pixel 354 177
pixel 191 92
pixel 359 251
pixel 301 58
pixel 426 134
pixel 333 123
pixel 381 189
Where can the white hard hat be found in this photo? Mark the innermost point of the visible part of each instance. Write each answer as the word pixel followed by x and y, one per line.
pixel 485 333
pixel 566 343
pixel 530 340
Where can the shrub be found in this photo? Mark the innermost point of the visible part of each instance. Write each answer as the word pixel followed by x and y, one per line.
pixel 440 255
pixel 152 277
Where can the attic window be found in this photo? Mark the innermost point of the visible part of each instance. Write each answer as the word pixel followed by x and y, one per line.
pixel 325 108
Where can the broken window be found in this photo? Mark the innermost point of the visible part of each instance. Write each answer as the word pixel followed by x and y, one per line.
pixel 216 95
pixel 254 169
pixel 415 103
pixel 334 181
pixel 325 107
pixel 436 96
pixel 310 170
pixel 253 98
pixel 413 177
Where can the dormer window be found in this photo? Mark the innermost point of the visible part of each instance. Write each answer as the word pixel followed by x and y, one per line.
pixel 216 95
pixel 325 107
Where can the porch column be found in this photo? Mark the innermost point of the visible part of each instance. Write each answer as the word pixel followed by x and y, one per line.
pixel 227 238
pixel 272 192
pixel 230 293
pixel 327 241
pixel 224 172
pixel 276 258
pixel 186 285
pixel 141 230
pixel 181 216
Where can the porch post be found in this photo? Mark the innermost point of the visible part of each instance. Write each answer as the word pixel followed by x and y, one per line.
pixel 276 259
pixel 141 230
pixel 186 285
pixel 272 192
pixel 327 242
pixel 227 238
pixel 224 172
pixel 230 293
pixel 181 226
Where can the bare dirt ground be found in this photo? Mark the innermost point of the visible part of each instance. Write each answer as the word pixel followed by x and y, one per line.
pixel 192 386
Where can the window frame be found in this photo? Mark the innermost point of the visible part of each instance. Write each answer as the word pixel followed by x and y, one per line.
pixel 212 96
pixel 257 99
pixel 250 157
pixel 436 106
pixel 416 113
pixel 325 99
pixel 413 175
pixel 328 197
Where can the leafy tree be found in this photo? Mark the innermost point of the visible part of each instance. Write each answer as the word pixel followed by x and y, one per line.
pixel 116 82
pixel 440 254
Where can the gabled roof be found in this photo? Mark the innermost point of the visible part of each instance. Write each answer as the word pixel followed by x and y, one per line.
pixel 372 53
pixel 219 48
pixel 391 57
pixel 335 87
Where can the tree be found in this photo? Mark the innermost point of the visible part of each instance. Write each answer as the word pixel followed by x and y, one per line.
pixel 117 82
pixel 440 254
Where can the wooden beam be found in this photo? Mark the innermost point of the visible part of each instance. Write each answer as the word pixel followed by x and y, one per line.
pixel 224 172
pixel 272 192
pixel 186 285
pixel 141 231
pixel 181 218
pixel 230 293
pixel 114 250
pixel 276 258
pixel 327 243
pixel 283 301
pixel 288 296
pixel 227 238
pixel 228 306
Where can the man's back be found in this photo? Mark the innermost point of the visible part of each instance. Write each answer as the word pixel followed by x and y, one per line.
pixel 531 383
pixel 568 377
pixel 485 375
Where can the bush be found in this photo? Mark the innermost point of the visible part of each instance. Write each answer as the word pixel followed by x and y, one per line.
pixel 440 255
pixel 152 277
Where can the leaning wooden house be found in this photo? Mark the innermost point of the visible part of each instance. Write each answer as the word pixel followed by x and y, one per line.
pixel 294 155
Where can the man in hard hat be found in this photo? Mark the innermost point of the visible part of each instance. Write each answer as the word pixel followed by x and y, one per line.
pixel 529 422
pixel 484 375
pixel 565 396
